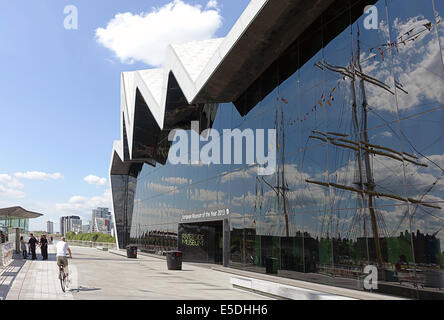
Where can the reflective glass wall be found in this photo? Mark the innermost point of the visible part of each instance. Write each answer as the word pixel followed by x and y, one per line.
pixel 6 223
pixel 360 163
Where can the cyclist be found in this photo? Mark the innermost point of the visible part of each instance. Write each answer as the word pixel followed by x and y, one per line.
pixel 62 250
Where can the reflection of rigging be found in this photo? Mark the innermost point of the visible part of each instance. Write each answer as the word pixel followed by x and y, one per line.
pixel 406 38
pixel 432 186
pixel 281 187
pixel 359 143
pixel 364 149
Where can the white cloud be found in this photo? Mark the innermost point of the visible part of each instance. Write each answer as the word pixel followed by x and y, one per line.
pixel 77 199
pixel 145 36
pixel 212 4
pixel 10 187
pixel 162 188
pixel 385 134
pixel 417 63
pixel 36 175
pixel 206 195
pixel 83 205
pixel 11 193
pixel 92 179
pixel 10 181
pixel 239 174
pixel 175 180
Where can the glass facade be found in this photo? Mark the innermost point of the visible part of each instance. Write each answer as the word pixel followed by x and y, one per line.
pixel 360 165
pixel 7 223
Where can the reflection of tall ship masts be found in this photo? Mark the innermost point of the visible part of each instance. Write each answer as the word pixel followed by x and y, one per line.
pixel 363 147
pixel 281 187
pixel 284 187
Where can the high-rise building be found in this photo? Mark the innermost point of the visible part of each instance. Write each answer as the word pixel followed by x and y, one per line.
pixel 62 225
pixel 101 225
pixel 86 228
pixel 49 227
pixel 70 223
pixel 76 225
pixel 101 213
pixel 101 220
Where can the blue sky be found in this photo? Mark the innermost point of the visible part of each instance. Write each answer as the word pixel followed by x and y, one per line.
pixel 60 97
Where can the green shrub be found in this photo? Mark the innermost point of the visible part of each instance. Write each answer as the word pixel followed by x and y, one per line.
pixel 93 236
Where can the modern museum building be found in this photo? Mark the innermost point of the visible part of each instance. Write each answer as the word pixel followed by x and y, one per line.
pixel 353 93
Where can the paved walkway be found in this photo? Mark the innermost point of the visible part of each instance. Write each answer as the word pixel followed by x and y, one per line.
pixel 8 275
pixel 34 280
pixel 102 275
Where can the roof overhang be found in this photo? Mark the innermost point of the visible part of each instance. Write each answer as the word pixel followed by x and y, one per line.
pixel 19 212
pixel 261 34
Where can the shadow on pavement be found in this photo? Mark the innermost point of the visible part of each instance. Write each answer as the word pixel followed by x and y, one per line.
pixel 100 259
pixel 9 273
pixel 88 289
pixel 52 257
pixel 182 270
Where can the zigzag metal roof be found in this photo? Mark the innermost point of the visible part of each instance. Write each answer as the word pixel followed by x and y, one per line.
pixel 197 76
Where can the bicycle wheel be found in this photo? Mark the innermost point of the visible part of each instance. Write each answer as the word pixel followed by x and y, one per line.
pixel 62 279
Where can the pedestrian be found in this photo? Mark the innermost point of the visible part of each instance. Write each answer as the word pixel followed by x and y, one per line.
pixel 32 243
pixel 23 248
pixel 44 247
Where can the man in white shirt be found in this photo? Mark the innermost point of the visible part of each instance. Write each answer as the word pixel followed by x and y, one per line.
pixel 62 250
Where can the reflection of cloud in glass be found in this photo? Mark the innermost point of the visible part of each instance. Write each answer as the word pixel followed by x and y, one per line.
pixel 206 195
pixel 161 188
pixel 417 64
pixel 239 174
pixel 176 180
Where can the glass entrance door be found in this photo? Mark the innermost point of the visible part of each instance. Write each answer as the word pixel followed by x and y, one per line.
pixel 201 241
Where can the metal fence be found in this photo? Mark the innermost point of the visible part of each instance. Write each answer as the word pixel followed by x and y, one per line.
pixel 91 244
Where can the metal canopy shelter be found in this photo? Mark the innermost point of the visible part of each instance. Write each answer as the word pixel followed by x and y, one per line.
pixel 19 212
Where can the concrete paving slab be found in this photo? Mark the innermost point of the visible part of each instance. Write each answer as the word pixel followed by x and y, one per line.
pixel 37 279
pixel 148 278
pixel 100 275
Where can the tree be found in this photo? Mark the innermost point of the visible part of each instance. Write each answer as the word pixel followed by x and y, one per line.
pixel 93 236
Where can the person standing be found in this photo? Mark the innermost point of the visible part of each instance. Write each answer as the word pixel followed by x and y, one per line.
pixel 44 247
pixel 23 248
pixel 32 244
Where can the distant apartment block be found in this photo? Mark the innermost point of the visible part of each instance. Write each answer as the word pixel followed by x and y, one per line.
pixel 101 221
pixel 49 227
pixel 86 228
pixel 70 223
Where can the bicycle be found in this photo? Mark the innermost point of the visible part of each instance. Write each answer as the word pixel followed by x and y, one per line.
pixel 62 262
pixel 63 278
